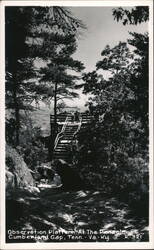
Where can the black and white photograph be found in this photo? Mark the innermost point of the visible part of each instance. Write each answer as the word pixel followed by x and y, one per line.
pixel 77 124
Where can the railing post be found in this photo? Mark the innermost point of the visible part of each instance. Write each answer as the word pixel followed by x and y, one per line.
pixel 60 133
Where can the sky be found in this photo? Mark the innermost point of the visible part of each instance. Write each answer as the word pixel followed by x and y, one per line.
pixel 102 29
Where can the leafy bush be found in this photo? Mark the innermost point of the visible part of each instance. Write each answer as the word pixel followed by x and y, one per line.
pixel 107 162
pixel 31 148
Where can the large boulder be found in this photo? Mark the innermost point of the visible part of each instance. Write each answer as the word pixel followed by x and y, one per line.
pixel 17 172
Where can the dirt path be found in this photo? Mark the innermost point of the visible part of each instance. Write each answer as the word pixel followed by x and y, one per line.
pixel 56 216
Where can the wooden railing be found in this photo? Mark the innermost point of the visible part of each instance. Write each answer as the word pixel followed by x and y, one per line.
pixel 60 134
pixel 60 117
pixel 79 126
pixel 86 118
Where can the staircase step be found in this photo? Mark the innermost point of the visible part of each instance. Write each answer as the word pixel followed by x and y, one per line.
pixel 64 141
pixel 64 144
pixel 68 138
pixel 70 130
pixel 69 133
pixel 60 155
pixel 57 157
pixel 60 152
pixel 65 135
pixel 71 127
pixel 61 147
pixel 64 150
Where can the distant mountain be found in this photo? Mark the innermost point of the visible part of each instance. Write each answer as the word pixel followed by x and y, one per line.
pixel 41 118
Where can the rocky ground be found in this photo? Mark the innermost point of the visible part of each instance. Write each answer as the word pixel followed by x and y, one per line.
pixel 53 215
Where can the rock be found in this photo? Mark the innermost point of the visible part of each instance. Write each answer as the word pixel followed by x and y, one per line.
pixel 56 180
pixel 70 178
pixel 33 190
pixel 9 179
pixel 17 172
pixel 45 171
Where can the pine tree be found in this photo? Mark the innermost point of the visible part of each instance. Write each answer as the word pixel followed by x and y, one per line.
pixel 26 30
pixel 57 72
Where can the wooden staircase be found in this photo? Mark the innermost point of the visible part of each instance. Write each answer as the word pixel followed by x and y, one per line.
pixel 67 134
pixel 61 150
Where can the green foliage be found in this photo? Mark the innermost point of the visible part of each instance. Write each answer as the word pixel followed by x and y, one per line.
pixel 57 73
pixel 115 159
pixel 35 33
pixel 139 81
pixel 115 59
pixel 31 147
pixel 113 153
pixel 134 16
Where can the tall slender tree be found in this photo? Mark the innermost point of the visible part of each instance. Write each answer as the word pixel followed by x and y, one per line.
pixel 26 29
pixel 58 71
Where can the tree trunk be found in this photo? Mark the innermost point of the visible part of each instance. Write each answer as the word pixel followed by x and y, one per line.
pixel 17 115
pixel 55 110
pixel 53 127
